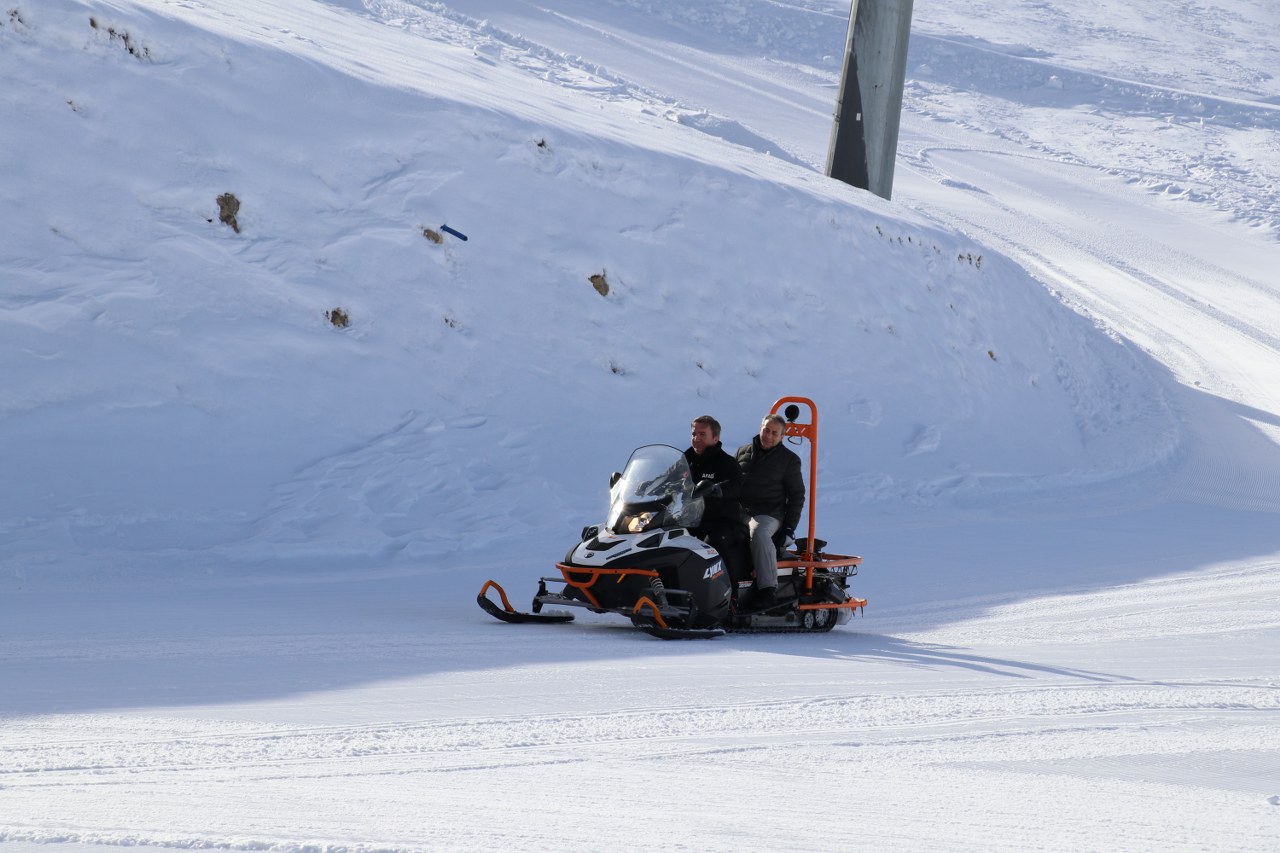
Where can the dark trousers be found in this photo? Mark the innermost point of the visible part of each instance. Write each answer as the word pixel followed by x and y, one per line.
pixel 731 543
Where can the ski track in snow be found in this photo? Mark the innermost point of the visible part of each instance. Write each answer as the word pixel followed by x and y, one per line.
pixel 151 766
pixel 1194 166
pixel 1094 733
pixel 1165 274
pixel 493 44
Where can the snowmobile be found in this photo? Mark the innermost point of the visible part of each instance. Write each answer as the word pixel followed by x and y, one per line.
pixel 644 564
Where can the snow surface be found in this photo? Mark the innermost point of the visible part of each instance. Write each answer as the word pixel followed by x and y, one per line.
pixel 239 545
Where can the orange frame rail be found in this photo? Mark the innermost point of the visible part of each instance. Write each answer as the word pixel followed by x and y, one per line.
pixel 851 604
pixel 810 431
pixel 585 586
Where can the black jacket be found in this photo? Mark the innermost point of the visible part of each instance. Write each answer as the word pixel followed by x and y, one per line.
pixel 723 513
pixel 771 482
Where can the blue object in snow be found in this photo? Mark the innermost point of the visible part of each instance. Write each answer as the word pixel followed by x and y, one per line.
pixel 458 234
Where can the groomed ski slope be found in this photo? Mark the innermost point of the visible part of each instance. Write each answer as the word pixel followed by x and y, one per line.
pixel 239 546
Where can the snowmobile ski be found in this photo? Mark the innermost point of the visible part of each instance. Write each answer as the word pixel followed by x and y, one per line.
pixel 507 613
pixel 648 618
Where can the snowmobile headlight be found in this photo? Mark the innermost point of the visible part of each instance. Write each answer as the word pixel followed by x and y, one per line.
pixel 639 522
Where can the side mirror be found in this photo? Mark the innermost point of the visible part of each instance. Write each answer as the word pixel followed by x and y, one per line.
pixel 614 478
pixel 791 412
pixel 590 532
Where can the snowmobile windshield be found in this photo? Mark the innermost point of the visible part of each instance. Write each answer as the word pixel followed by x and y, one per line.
pixel 655 492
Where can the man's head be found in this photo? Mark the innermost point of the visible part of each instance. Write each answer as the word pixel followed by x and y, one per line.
pixel 704 432
pixel 772 428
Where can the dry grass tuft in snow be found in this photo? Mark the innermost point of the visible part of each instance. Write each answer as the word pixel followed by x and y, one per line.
pixel 228 207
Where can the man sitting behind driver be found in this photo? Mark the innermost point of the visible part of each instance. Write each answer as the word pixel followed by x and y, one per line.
pixel 772 493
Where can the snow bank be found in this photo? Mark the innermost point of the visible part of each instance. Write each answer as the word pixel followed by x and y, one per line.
pixel 176 394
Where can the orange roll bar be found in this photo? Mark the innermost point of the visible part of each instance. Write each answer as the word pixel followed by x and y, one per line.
pixel 810 431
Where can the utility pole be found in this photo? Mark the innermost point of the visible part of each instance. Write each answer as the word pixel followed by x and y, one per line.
pixel 864 135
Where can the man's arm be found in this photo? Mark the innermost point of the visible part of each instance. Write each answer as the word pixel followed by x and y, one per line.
pixel 730 478
pixel 793 485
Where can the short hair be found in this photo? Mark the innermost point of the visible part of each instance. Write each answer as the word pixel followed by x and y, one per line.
pixel 709 421
pixel 777 419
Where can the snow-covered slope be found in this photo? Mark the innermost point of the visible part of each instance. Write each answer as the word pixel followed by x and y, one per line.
pixel 240 544
pixel 177 384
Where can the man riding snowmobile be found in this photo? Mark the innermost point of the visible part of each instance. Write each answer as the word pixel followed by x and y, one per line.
pixel 718 479
pixel 643 562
